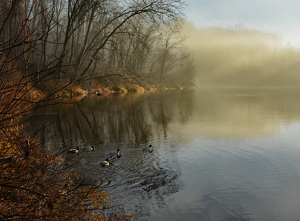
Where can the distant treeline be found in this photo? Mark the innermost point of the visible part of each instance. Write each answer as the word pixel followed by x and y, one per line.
pixel 100 41
pixel 242 57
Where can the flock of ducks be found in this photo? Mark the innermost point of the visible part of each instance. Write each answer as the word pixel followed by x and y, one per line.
pixel 106 162
pixel 84 149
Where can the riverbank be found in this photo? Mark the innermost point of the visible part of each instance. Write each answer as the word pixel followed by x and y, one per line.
pixel 63 91
pixel 98 89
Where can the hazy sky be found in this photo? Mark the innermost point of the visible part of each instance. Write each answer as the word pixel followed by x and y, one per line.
pixel 277 16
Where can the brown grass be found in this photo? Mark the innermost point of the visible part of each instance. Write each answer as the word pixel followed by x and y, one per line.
pixel 75 91
pixel 135 88
pixel 128 87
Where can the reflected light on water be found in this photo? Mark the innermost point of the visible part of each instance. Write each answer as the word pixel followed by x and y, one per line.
pixel 219 153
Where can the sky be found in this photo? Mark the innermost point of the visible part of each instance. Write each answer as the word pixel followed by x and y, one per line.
pixel 281 17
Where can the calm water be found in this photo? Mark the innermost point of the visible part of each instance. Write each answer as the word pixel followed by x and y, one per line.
pixel 219 154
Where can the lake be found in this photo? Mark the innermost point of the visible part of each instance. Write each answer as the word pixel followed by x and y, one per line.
pixel 219 153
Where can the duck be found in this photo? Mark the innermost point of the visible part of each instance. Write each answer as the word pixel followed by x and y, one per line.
pixel 105 162
pixel 74 150
pixel 148 149
pixel 118 153
pixel 88 148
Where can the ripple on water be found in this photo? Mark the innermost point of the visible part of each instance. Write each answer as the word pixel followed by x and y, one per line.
pixel 135 177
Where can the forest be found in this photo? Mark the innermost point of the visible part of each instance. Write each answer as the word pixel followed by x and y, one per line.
pixel 101 42
pixel 54 49
pixel 240 57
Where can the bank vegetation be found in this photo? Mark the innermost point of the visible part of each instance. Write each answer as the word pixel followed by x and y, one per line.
pixel 50 49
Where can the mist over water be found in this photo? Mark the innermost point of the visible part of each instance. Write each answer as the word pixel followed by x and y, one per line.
pixel 242 57
pixel 219 153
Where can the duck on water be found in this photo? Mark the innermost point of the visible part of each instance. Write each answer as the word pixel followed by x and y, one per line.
pixel 83 149
pixel 118 153
pixel 88 148
pixel 74 150
pixel 105 162
pixel 148 149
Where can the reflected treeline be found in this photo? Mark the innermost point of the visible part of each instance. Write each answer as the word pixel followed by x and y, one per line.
pixel 174 114
pixel 167 110
pixel 241 57
pixel 240 113
pixel 120 118
pixel 138 180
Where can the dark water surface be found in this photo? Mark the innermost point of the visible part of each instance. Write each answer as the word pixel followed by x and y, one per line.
pixel 219 154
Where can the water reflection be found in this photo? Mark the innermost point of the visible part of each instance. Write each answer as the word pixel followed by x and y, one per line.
pixel 241 113
pixel 129 123
pixel 137 119
pixel 133 119
pixel 141 183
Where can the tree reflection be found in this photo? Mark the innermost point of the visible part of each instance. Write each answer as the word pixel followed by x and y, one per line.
pixel 128 119
pixel 140 119
pixel 130 122
pixel 242 112
pixel 140 181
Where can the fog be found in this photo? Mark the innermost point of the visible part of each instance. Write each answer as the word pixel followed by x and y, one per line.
pixel 241 57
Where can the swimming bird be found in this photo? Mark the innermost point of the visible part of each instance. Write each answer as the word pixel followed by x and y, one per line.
pixel 88 148
pixel 74 150
pixel 105 162
pixel 118 153
pixel 148 149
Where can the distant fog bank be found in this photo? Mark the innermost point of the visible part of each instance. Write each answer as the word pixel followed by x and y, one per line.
pixel 242 57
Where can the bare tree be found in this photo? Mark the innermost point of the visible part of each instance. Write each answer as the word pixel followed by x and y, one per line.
pixel 34 184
